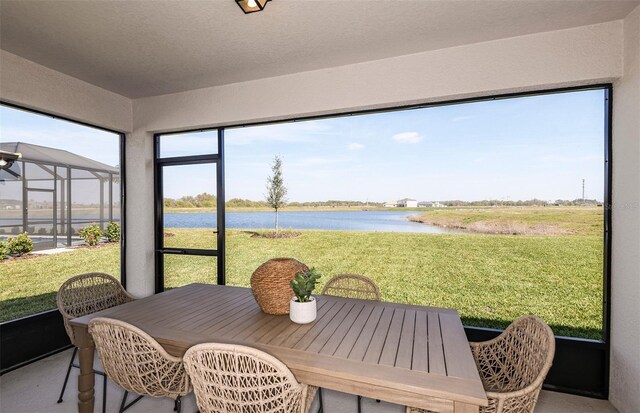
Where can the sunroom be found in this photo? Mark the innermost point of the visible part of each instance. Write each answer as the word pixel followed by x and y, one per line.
pixel 511 127
pixel 44 183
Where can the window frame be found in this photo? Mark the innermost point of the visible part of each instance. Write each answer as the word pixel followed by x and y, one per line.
pixel 217 159
pixel 20 337
pixel 122 160
pixel 570 351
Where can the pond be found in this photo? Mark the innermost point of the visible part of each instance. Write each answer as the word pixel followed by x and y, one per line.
pixel 377 221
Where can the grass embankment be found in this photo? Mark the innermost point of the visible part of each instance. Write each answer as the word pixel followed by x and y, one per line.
pixel 518 220
pixel 491 279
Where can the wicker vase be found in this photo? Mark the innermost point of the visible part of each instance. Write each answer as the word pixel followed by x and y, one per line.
pixel 270 284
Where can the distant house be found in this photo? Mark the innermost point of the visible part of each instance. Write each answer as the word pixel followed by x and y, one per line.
pixel 390 204
pixel 431 204
pixel 407 203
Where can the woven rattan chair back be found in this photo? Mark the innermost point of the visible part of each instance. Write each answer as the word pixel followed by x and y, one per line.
pixel 88 293
pixel 136 362
pixel 239 379
pixel 518 357
pixel 352 286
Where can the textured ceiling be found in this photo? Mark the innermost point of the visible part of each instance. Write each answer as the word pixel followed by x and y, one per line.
pixel 146 48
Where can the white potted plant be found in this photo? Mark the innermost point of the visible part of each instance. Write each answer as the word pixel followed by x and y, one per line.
pixel 302 307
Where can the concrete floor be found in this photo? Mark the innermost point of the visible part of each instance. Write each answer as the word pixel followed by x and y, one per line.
pixel 35 388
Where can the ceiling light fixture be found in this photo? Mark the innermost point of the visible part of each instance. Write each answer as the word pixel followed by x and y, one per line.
pixel 251 6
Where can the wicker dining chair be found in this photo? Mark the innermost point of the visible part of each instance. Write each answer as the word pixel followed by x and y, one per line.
pixel 231 378
pixel 138 363
pixel 85 294
pixel 352 286
pixel 513 365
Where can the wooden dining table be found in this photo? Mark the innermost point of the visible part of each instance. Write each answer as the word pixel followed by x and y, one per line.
pixel 406 354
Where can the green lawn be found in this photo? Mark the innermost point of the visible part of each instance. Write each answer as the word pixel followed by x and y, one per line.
pixel 550 220
pixel 491 279
pixel 28 285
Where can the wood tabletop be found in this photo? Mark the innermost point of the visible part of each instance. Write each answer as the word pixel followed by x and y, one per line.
pixel 404 354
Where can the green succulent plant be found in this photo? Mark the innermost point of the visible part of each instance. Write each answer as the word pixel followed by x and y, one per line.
pixel 304 283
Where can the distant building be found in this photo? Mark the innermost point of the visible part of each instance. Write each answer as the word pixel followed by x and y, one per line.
pixel 407 203
pixel 431 204
pixel 390 204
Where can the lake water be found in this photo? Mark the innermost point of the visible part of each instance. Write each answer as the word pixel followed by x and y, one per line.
pixel 378 221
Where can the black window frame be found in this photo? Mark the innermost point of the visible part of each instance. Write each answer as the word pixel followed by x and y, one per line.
pixel 581 365
pixel 158 165
pixel 21 338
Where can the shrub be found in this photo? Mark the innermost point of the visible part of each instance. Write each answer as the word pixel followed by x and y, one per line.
pixel 4 250
pixel 91 234
pixel 20 244
pixel 113 232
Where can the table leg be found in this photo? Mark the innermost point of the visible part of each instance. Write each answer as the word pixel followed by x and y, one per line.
pixel 86 379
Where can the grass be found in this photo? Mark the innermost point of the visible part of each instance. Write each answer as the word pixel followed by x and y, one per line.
pixel 490 279
pixel 520 220
pixel 28 285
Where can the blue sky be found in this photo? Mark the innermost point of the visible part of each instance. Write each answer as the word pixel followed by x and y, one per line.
pixel 539 146
pixel 20 126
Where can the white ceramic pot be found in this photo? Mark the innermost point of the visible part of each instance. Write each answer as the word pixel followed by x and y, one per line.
pixel 302 313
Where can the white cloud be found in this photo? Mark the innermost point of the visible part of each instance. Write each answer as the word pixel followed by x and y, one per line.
pixel 354 146
pixel 407 137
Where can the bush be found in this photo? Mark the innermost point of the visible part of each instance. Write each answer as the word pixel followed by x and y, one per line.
pixel 113 232
pixel 20 244
pixel 91 234
pixel 4 250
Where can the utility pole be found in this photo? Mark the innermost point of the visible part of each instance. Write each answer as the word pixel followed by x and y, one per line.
pixel 583 191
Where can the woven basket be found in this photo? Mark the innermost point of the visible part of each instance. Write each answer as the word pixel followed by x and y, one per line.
pixel 270 284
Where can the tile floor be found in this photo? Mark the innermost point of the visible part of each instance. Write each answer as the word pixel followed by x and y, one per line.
pixel 34 389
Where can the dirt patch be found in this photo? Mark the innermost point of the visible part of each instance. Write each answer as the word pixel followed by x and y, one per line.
pixel 493 227
pixel 275 235
pixel 28 256
pixel 98 245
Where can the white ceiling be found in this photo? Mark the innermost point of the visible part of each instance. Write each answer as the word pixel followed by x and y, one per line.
pixel 145 48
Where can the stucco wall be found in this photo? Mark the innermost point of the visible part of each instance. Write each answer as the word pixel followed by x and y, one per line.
pixel 582 55
pixel 625 278
pixel 567 57
pixel 38 87
pixel 140 214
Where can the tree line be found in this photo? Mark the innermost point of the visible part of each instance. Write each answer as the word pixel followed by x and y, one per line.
pixel 203 200
pixel 529 202
pixel 209 201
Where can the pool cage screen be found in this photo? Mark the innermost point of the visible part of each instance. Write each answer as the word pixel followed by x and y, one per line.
pixel 51 194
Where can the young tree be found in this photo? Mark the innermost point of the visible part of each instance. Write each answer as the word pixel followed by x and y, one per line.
pixel 276 191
